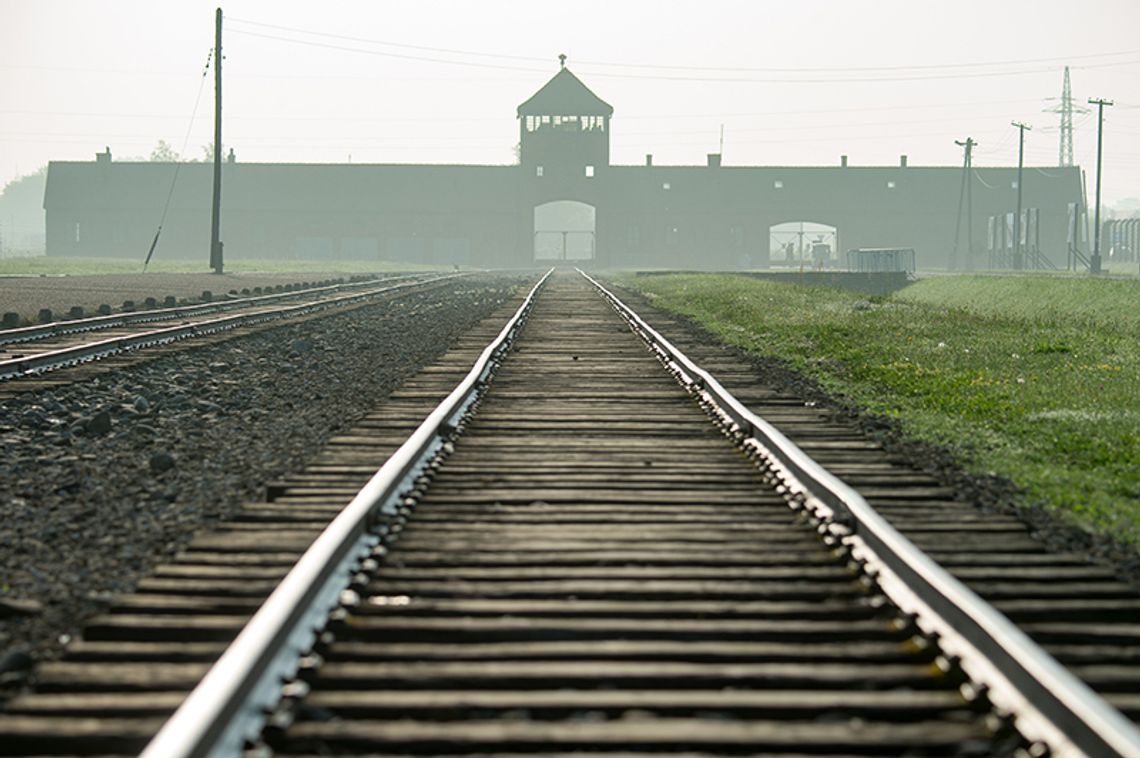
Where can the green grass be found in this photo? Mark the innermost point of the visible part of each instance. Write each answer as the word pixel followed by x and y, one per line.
pixel 43 265
pixel 1036 378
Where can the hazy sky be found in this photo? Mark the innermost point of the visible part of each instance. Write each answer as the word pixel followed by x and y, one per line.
pixel 793 83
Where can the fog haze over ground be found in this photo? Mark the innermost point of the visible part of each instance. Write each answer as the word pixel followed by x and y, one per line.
pixel 438 82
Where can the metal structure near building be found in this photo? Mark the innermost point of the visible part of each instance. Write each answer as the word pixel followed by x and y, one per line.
pixel 877 260
pixel 1121 237
pixel 709 216
pixel 1077 238
pixel 1013 237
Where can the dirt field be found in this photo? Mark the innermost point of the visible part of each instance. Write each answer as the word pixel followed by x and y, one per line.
pixel 27 295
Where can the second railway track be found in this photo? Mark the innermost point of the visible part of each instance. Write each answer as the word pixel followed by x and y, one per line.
pixel 591 566
pixel 30 352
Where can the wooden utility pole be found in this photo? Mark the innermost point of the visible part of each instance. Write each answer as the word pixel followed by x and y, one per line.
pixel 1094 264
pixel 968 145
pixel 216 261
pixel 1018 260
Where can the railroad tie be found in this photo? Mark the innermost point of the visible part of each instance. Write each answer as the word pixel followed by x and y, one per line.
pixel 595 567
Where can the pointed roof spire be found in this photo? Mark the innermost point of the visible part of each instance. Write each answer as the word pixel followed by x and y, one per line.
pixel 562 61
pixel 565 94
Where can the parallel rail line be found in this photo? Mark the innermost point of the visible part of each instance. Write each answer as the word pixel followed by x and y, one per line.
pixel 566 556
pixel 37 349
pixel 62 327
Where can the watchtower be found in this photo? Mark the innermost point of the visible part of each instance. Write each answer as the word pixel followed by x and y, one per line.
pixel 564 128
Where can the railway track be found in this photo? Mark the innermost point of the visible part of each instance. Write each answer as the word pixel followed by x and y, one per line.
pixel 586 563
pixel 30 352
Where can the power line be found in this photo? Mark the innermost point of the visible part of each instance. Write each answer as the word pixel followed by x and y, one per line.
pixel 619 139
pixel 625 117
pixel 178 164
pixel 1018 260
pixel 676 67
pixel 1094 265
pixel 1066 109
pixel 381 53
pixel 602 74
pixel 619 136
pixel 966 194
pixel 401 45
pixel 838 125
pixel 89 70
pixel 855 80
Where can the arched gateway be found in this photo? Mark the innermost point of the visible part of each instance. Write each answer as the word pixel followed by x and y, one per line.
pixel 563 198
pixel 564 230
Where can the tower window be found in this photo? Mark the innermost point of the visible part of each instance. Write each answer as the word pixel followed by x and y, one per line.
pixel 890 184
pixel 778 184
pixel 666 186
pixel 538 170
pixel 589 172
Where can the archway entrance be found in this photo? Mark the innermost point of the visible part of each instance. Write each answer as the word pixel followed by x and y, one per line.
pixel 564 231
pixel 804 244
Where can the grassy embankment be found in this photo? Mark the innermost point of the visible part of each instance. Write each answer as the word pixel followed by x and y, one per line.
pixel 43 265
pixel 1035 378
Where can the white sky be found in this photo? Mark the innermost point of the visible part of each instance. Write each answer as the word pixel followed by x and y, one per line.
pixel 793 83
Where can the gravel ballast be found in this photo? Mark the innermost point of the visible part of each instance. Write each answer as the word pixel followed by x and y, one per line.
pixel 28 295
pixel 101 480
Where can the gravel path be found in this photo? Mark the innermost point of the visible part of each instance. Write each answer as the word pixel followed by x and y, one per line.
pixel 99 481
pixel 26 295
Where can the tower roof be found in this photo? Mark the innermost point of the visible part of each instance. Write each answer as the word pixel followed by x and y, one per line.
pixel 565 95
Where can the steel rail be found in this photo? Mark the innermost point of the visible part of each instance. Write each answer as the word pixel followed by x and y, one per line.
pixel 1048 704
pixel 14 368
pixel 229 705
pixel 97 323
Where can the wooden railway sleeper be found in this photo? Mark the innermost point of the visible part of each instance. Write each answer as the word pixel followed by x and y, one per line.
pixel 1050 705
pixel 286 714
pixel 393 530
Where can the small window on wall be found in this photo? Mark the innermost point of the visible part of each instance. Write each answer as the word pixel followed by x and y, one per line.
pixel 76 231
pixel 538 170
pixel 891 184
pixel 666 186
pixel 778 184
pixel 590 172
pixel 1013 184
